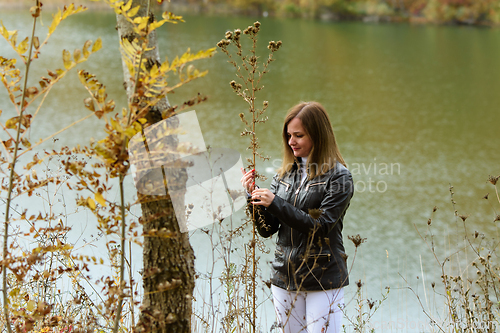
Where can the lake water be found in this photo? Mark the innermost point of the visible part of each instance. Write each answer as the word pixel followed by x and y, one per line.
pixel 414 109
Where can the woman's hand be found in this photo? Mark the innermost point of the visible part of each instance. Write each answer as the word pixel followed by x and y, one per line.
pixel 262 197
pixel 248 180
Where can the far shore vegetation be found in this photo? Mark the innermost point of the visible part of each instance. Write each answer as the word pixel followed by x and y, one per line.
pixel 459 12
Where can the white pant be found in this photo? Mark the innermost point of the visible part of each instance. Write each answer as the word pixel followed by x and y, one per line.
pixel 308 311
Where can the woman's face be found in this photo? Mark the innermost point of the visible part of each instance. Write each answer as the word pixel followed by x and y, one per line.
pixel 298 139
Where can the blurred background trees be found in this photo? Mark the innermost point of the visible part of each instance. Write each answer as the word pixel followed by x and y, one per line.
pixel 468 12
pixel 471 12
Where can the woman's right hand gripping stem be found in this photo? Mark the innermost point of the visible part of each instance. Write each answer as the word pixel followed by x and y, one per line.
pixel 248 180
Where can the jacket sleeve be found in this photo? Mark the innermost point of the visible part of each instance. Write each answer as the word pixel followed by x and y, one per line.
pixel 267 224
pixel 337 197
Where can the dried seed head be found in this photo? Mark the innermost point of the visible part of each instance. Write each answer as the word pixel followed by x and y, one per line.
pixel 433 284
pixel 429 221
pixel 497 218
pixel 434 209
pixel 370 304
pixel 223 43
pixel 463 217
pixel 35 10
pixel 357 240
pixel 243 119
pixel 256 28
pixel 359 284
pixel 229 35
pixel 266 103
pixel 493 180
pixel 31 91
pixel 236 37
pixel 274 46
pixel 236 86
pixel 486 196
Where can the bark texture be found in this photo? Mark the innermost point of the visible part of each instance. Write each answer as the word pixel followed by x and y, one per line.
pixel 168 274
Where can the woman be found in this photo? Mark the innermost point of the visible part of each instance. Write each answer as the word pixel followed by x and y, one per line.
pixel 306 204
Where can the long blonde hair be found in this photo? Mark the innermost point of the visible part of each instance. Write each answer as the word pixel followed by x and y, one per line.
pixel 316 123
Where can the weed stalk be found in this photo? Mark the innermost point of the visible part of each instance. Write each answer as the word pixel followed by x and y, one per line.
pixel 250 75
pixel 11 181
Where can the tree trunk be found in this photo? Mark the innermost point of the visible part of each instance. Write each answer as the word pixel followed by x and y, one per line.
pixel 168 274
pixel 172 259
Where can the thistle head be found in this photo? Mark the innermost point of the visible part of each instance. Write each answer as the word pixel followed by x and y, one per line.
pixel 357 240
pixel 274 46
pixel 493 179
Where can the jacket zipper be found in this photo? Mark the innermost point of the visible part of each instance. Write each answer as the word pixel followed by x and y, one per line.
pixel 297 192
pixel 286 184
pixel 291 230
pixel 309 185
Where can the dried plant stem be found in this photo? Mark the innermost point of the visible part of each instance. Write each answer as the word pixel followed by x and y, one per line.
pixel 132 314
pixel 123 224
pixel 122 257
pixel 423 280
pixel 449 301
pixel 254 229
pixel 122 198
pixel 422 306
pixel 11 185
pixel 496 191
pixel 249 75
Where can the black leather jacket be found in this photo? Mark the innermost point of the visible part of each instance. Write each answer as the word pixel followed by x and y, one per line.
pixel 309 253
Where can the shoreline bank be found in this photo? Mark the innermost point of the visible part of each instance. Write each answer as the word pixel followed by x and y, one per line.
pixel 225 9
